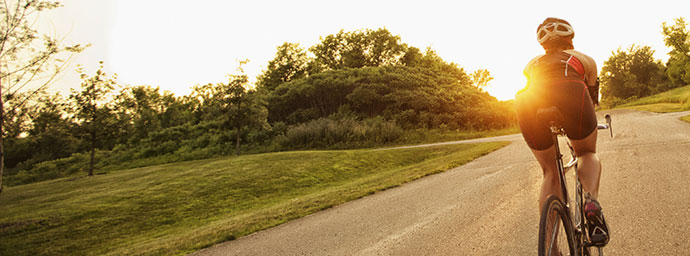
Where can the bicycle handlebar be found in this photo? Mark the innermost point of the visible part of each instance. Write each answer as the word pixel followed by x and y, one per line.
pixel 607 125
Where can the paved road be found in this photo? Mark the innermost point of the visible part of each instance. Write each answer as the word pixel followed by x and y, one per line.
pixel 489 206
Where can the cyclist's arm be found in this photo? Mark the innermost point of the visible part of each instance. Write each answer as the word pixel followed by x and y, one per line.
pixel 592 80
pixel 591 72
pixel 589 65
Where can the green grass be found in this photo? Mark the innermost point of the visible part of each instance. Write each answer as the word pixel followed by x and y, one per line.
pixel 670 101
pixel 182 207
pixel 115 160
pixel 685 118
pixel 435 135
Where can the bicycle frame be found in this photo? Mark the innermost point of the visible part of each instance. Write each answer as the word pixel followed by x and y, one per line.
pixel 580 237
pixel 562 170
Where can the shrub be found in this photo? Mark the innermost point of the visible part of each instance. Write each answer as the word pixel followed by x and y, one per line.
pixel 341 133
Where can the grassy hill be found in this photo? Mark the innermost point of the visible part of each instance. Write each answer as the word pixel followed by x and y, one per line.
pixel 182 207
pixel 670 101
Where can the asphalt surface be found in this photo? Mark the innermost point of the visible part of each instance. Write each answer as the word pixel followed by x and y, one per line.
pixel 489 206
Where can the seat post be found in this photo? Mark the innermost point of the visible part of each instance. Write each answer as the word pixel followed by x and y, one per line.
pixel 559 164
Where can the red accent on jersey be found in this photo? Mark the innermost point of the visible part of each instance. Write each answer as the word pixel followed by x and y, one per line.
pixel 577 65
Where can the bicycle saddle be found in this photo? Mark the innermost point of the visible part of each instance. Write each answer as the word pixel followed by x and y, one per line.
pixel 550 116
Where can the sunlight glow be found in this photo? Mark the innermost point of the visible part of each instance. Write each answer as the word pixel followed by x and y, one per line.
pixel 179 44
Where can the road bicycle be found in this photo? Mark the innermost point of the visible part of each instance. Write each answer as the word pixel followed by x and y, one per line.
pixel 562 226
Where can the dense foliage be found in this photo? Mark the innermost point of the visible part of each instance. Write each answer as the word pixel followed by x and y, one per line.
pixel 677 37
pixel 410 96
pixel 29 62
pixel 634 73
pixel 358 89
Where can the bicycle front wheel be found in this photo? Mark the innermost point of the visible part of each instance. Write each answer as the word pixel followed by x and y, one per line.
pixel 555 230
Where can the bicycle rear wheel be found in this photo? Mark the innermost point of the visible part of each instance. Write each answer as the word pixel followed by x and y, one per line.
pixel 555 229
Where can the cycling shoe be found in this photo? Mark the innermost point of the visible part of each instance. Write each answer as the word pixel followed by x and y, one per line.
pixel 598 230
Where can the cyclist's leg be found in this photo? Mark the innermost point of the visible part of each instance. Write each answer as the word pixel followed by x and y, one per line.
pixel 589 169
pixel 538 138
pixel 550 183
pixel 582 131
pixel 550 186
pixel 583 134
pixel 589 166
pixel 581 127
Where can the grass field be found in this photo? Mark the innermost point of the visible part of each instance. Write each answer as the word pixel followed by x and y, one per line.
pixel 114 160
pixel 426 136
pixel 182 207
pixel 670 101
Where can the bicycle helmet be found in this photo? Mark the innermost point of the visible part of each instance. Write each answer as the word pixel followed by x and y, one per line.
pixel 554 28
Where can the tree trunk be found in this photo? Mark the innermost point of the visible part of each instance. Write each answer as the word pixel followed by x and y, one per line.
pixel 2 152
pixel 237 145
pixel 93 154
pixel 2 123
pixel 239 127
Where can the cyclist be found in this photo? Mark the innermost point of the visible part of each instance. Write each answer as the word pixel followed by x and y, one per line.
pixel 567 79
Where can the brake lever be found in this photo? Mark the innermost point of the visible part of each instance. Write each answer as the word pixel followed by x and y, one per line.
pixel 608 121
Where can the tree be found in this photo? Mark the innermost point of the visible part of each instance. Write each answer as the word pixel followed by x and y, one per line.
pixel 231 105
pixel 433 96
pixel 20 111
pixel 677 37
pixel 52 130
pixel 178 110
pixel 26 57
pixel 363 48
pixel 290 62
pixel 432 60
pixel 206 101
pixel 240 106
pixel 412 57
pixel 632 73
pixel 236 103
pixel 481 78
pixel 93 110
pixel 382 48
pixel 143 111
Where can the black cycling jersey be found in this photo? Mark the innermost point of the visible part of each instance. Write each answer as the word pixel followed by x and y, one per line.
pixel 555 79
pixel 557 65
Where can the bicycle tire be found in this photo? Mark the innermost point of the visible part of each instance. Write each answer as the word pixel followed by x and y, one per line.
pixel 554 211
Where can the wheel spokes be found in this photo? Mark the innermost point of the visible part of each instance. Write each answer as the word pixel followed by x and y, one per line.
pixel 554 233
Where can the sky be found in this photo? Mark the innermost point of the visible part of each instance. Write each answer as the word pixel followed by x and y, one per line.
pixel 175 44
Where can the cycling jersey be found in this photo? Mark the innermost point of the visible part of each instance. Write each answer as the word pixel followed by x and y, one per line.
pixel 562 64
pixel 557 79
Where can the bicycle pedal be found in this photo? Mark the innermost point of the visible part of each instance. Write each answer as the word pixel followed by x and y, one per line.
pixel 598 240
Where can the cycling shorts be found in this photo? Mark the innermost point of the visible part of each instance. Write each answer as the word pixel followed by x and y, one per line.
pixel 572 99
